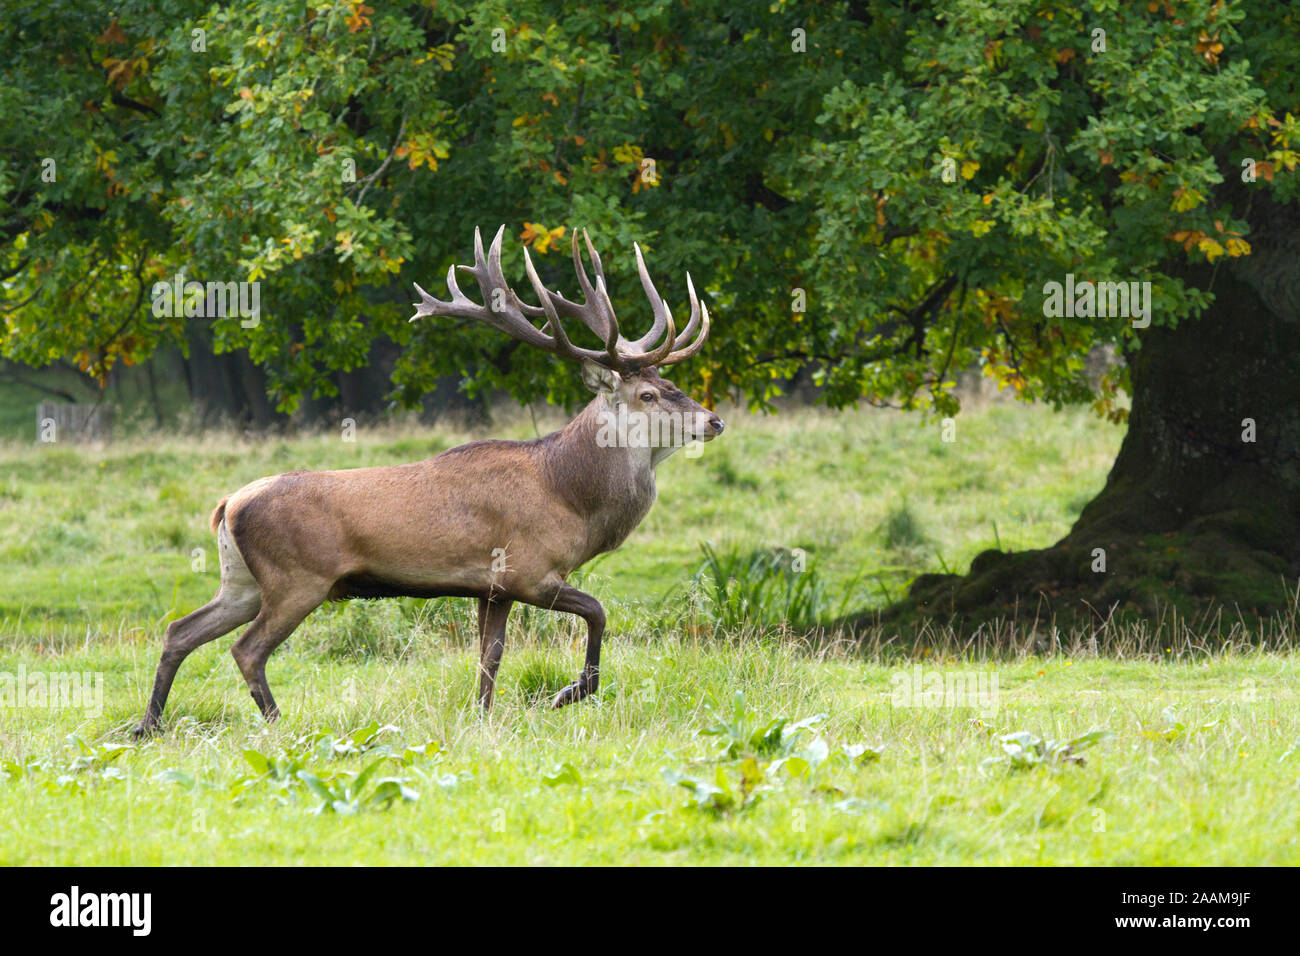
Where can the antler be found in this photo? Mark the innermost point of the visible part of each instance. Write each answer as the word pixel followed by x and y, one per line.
pixel 505 311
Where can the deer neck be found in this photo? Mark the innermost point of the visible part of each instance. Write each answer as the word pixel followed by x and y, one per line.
pixel 609 483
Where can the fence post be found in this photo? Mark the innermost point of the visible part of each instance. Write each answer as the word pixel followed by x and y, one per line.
pixel 64 422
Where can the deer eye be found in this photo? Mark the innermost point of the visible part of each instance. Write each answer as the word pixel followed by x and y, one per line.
pixel 648 396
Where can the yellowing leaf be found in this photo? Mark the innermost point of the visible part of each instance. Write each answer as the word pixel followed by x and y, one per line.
pixel 1185 199
pixel 1287 157
pixel 357 19
pixel 1209 47
pixel 628 154
pixel 539 237
pixel 1211 248
pixel 113 34
pixel 969 169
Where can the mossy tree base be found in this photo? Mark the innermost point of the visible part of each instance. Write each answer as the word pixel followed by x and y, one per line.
pixel 1202 505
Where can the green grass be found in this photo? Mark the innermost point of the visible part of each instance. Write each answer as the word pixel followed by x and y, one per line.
pixel 1222 795
pixel 95 549
pixel 96 540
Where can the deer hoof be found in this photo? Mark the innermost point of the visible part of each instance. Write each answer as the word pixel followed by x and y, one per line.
pixel 145 730
pixel 571 694
pixel 566 696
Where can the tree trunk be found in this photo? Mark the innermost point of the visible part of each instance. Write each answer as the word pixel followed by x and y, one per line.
pixel 1202 505
pixel 226 389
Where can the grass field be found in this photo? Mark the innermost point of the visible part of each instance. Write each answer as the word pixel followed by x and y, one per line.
pixel 1136 747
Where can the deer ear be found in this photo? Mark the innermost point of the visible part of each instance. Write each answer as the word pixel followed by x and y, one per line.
pixel 598 378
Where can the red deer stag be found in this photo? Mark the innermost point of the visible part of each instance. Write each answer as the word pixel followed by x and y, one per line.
pixel 501 521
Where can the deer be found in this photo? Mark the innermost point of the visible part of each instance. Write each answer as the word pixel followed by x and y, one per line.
pixel 504 522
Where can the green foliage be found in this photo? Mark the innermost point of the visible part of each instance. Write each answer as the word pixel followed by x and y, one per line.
pixel 768 587
pixel 1053 169
pixel 745 770
pixel 74 769
pixel 307 764
pixel 902 529
pixel 564 774
pixel 744 732
pixel 232 162
pixel 219 140
pixel 347 793
pixel 1175 729
pixel 730 788
pixel 361 629
pixel 1026 751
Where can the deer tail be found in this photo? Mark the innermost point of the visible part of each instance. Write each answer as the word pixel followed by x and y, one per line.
pixel 219 514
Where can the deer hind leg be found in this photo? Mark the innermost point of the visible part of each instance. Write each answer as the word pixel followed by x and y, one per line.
pixel 236 602
pixel 564 597
pixel 279 617
pixel 492 617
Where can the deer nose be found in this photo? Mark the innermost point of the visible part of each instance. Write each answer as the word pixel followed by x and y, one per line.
pixel 717 424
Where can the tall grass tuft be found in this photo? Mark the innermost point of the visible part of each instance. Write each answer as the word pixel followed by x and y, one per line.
pixel 902 529
pixel 766 588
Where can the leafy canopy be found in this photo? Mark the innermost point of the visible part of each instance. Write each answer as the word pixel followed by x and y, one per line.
pixel 879 189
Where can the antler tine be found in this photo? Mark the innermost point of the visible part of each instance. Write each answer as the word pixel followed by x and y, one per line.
pixel 426 304
pixel 489 275
pixel 693 323
pixel 512 319
pixel 554 305
pixel 479 258
pixel 460 305
pixel 602 287
pixel 494 273
pixel 563 345
pixel 698 310
pixel 596 312
pixel 657 304
pixel 588 293
pixel 662 353
pixel 498 279
pixel 612 335
pixel 595 256
pixel 515 317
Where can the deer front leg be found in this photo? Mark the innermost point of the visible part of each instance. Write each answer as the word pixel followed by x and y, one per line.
pixel 572 601
pixel 492 641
